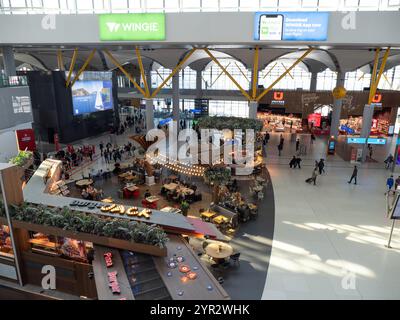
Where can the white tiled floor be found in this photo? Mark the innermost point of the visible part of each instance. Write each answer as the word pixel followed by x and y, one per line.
pixel 328 235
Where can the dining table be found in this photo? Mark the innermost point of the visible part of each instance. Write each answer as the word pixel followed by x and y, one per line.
pixel 171 186
pixel 84 183
pixel 208 214
pixel 152 199
pixel 220 219
pixel 219 250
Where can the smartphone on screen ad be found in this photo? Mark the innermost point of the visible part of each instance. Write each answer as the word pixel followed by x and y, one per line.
pixel 271 27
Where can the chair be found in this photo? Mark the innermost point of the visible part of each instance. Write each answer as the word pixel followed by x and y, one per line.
pixel 235 258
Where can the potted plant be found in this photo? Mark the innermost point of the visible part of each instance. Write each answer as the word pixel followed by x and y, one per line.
pixel 185 207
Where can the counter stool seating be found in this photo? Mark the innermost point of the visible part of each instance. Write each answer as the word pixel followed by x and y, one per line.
pixel 235 258
pixel 150 205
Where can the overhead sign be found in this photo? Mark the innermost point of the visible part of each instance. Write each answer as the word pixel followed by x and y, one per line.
pixel 132 27
pixel 359 140
pixel 291 26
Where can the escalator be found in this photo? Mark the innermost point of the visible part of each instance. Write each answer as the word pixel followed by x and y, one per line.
pixel 143 277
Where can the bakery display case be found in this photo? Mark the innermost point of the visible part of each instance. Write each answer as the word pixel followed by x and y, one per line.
pixel 6 250
pixel 66 248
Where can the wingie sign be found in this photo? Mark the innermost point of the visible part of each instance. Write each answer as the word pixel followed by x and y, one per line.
pixel 132 27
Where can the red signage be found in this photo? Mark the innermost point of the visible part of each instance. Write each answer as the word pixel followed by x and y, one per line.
pixel 56 142
pixel 108 259
pixel 26 139
pixel 377 98
pixel 278 95
pixel 315 119
pixel 113 282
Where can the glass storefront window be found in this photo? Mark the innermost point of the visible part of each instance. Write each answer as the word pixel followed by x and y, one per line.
pixel 6 249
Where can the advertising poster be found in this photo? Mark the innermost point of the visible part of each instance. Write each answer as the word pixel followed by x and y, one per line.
pixel 132 27
pixel 26 139
pixel 91 96
pixel 291 26
pixel 315 119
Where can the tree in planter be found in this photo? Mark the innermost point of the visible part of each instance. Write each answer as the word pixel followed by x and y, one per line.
pixel 185 208
pixel 217 176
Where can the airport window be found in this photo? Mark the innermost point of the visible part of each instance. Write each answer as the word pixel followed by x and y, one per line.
pixel 326 80
pixel 228 108
pixel 249 5
pixel 297 78
pixel 228 5
pixel 216 79
pixel 390 79
pixel 187 78
pixel 357 80
pixel 209 5
pixel 159 75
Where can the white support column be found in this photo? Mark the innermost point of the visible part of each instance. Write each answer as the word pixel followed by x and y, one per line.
pixel 9 61
pixel 337 108
pixel 149 114
pixel 175 97
pixel 253 105
pixel 368 114
pixel 313 83
pixel 199 80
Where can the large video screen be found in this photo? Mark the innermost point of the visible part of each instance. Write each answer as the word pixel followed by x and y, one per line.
pixel 291 26
pixel 92 96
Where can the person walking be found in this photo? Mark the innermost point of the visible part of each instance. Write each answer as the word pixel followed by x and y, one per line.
pixel 313 177
pixel 321 165
pixel 101 147
pixel 292 163
pixel 297 144
pixel 388 162
pixel 389 184
pixel 297 163
pixel 354 175
pixel 280 147
pixel 105 155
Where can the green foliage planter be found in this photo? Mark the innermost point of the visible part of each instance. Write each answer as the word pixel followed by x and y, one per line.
pixel 23 158
pixel 217 175
pixel 119 233
pixel 231 123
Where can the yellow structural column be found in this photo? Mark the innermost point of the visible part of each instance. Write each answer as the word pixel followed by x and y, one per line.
pixel 140 62
pixel 261 95
pixel 255 72
pixel 85 64
pixel 378 78
pixel 177 68
pixel 120 67
pixel 228 74
pixel 71 67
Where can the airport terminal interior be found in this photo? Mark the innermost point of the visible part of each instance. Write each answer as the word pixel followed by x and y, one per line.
pixel 199 149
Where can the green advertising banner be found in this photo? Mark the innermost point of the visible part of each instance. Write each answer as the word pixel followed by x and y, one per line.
pixel 132 27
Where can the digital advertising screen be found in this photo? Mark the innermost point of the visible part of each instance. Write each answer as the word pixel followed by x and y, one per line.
pixel 92 96
pixel 291 26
